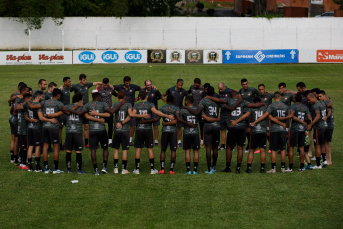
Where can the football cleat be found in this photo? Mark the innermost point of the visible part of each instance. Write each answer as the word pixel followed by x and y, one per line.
pixel 222 147
pixel 257 151
pixel 46 171
pixel 209 172
pixel 272 171
pixel 115 171
pixel 161 171
pixel 124 171
pixel 135 171
pixel 87 146
pixel 226 170
pixel 238 171
pixel 57 171
pixel 262 170
pixel 69 171
pixel 310 167
pixel 317 167
pixel 188 172
pixel 171 172
pixel 289 170
pixel 248 171
pixel 154 171
pixel 96 172
pixel 283 170
pixel 81 172
pixel 104 170
pixel 324 164
pixel 195 172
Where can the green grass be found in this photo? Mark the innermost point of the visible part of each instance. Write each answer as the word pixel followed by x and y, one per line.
pixel 312 199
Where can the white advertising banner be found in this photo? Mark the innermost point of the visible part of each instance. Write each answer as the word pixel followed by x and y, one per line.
pixel 110 56
pixel 175 57
pixel 212 57
pixel 320 56
pixel 317 2
pixel 36 57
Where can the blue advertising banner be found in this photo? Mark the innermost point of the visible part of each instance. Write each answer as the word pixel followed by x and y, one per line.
pixel 260 56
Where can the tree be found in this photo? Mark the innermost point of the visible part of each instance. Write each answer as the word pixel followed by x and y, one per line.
pixel 339 3
pixel 32 13
pixel 260 7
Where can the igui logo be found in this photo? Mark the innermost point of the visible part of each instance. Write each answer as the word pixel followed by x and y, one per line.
pixel 87 57
pixel 133 56
pixel 110 56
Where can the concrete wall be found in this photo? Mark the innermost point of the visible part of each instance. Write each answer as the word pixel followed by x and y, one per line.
pixel 177 33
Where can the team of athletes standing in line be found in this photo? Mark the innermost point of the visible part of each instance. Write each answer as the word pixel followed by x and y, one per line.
pixel 37 120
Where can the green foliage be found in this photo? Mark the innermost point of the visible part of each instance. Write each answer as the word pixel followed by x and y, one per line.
pixel 339 3
pixel 210 12
pixel 200 5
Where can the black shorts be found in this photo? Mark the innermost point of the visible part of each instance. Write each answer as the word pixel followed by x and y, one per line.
pixel 74 141
pixel 211 134
pixel 191 141
pixel 133 122
pixel 85 121
pixel 121 137
pixel 155 123
pixel 223 123
pixel 179 125
pixel 109 120
pixel 297 139
pixel 96 137
pixel 62 120
pixel 328 135
pixel 277 140
pixel 268 124
pixel 258 140
pixel 14 129
pixel 236 136
pixel 144 137
pixel 248 121
pixel 34 137
pixel 169 137
pixel 50 136
pixel 288 123
pixel 319 136
pixel 22 141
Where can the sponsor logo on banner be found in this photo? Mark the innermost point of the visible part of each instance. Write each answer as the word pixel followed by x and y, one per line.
pixel 87 57
pixel 156 56
pixel 194 56
pixel 25 57
pixel 175 56
pixel 212 56
pixel 110 56
pixel 260 56
pixel 330 56
pixel 133 56
pixel 57 56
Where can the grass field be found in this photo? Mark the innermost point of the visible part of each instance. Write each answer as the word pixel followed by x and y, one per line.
pixel 312 199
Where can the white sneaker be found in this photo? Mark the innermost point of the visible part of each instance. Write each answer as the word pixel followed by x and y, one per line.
pixel 12 161
pixel 317 167
pixel 135 171
pixel 283 170
pixel 324 163
pixel 154 171
pixel 124 171
pixel 289 170
pixel 313 158
pixel 115 171
pixel 57 171
pixel 247 151
pixel 271 171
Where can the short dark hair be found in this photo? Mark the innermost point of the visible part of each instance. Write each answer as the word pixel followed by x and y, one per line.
pixel 66 78
pixel 316 90
pixel 233 94
pixel 52 84
pixel 105 80
pixel 22 88
pixel 257 100
pixel 170 99
pixel 77 97
pixel 56 92
pixel 206 85
pixel 244 80
pixel 82 76
pixel 30 89
pixel 277 95
pixel 261 85
pixel 146 81
pixel 95 95
pixel 179 81
pixel 22 84
pixel 301 85
pixel 28 95
pixel 41 81
pixel 121 95
pixel 297 98
pixel 189 99
pixel 306 93
pixel 38 93
pixel 197 80
pixel 322 92
pixel 142 95
pixel 210 90
pixel 282 84
pixel 127 79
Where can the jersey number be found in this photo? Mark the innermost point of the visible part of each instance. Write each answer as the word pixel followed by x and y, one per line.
pixel 258 114
pixel 212 110
pixel 236 112
pixel 281 113
pixel 191 119
pixel 49 111
pixel 301 116
pixel 30 114
pixel 323 113
pixel 74 117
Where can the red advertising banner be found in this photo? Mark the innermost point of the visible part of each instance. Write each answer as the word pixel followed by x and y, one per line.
pixel 330 56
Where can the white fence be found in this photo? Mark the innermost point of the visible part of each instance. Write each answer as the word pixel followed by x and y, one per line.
pixel 176 33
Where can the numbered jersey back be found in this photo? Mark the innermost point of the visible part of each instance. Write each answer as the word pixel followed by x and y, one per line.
pixel 74 122
pixel 190 118
pixel 241 109
pixel 169 110
pixel 211 109
pixel 51 106
pixel 300 111
pixel 256 113
pixel 143 108
pixel 121 115
pixel 278 109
